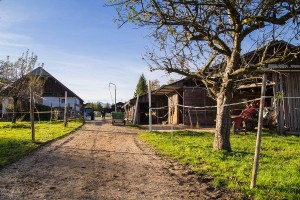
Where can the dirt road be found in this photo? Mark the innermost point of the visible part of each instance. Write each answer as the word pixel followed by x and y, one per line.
pixel 101 161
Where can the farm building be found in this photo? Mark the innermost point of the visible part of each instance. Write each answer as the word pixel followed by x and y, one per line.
pixel 173 100
pixel 180 97
pixel 53 94
pixel 138 109
pixel 283 84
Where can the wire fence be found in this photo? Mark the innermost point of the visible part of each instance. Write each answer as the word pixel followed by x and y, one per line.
pixel 41 115
pixel 194 114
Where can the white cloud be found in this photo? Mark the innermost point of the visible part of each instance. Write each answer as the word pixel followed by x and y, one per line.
pixel 14 40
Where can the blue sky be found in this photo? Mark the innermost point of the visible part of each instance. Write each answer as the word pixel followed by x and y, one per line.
pixel 79 44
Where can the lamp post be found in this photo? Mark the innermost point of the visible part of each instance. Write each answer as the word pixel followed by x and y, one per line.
pixel 115 95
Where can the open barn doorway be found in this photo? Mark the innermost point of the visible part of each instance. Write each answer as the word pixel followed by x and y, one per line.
pixel 144 112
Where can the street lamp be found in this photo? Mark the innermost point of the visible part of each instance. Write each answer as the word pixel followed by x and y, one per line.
pixel 115 95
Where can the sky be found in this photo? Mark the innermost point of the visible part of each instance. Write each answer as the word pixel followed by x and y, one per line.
pixel 79 44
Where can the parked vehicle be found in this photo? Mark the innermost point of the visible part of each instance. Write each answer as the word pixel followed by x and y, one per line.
pixel 89 114
pixel 248 118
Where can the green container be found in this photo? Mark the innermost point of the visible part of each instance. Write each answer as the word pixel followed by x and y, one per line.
pixel 117 115
pixel 118 118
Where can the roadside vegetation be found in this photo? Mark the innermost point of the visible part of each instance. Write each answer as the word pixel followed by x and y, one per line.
pixel 15 139
pixel 279 168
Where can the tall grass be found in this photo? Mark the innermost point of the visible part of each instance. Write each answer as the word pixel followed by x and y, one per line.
pixel 279 168
pixel 15 139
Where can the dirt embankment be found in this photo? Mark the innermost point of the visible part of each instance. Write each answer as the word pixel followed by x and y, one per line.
pixel 101 161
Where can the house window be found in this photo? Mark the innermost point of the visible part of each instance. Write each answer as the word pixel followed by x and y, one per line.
pixel 63 100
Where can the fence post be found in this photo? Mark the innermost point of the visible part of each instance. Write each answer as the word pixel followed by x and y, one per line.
pixel 65 113
pixel 32 114
pixel 150 109
pixel 259 130
pixel 281 108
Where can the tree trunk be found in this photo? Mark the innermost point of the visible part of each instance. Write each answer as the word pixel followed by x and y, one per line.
pixel 224 97
pixel 223 121
pixel 15 110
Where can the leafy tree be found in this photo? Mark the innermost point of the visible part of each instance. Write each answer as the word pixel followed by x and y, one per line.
pixel 95 105
pixel 204 39
pixel 106 108
pixel 98 106
pixel 141 87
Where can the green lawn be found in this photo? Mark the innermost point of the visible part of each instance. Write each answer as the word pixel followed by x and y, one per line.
pixel 279 169
pixel 15 140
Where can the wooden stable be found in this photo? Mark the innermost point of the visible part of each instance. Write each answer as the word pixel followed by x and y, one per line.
pixel 198 97
pixel 140 107
pixel 173 100
pixel 283 85
pixel 288 83
pixel 180 98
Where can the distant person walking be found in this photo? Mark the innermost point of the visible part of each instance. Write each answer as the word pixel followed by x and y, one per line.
pixel 103 114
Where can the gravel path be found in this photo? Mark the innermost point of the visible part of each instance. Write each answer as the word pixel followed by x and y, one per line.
pixel 101 161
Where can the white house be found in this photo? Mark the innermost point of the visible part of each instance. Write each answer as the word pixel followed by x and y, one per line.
pixel 53 94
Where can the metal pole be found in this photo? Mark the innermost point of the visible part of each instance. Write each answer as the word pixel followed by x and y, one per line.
pixel 115 95
pixel 150 109
pixel 259 130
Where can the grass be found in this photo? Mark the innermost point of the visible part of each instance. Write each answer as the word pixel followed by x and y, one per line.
pixel 279 168
pixel 15 139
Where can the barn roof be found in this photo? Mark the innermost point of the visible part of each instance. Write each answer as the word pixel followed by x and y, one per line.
pixel 276 49
pixel 166 89
pixel 42 72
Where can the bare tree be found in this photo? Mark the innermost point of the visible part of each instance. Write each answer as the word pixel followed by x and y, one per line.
pixel 204 39
pixel 154 84
pixel 171 80
pixel 17 80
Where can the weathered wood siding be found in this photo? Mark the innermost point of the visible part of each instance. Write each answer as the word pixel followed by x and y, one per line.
pixel 173 101
pixel 143 109
pixel 198 97
pixel 290 85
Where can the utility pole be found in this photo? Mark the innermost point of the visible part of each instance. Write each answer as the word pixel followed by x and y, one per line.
pixel 115 95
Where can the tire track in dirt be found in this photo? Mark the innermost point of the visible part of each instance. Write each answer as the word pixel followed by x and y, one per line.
pixel 101 161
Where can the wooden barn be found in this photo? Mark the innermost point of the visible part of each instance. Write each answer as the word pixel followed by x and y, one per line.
pixel 186 98
pixel 138 109
pixel 287 93
pixel 176 104
pixel 180 98
pixel 283 85
pixel 53 94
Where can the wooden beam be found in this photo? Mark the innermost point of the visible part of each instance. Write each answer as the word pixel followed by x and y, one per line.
pixel 259 131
